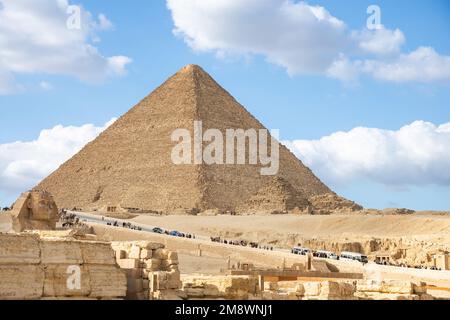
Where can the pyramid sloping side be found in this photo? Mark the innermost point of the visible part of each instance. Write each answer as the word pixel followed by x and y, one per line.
pixel 278 196
pixel 228 186
pixel 130 165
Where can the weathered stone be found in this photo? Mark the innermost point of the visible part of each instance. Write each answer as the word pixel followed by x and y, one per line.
pixel 19 249
pixel 135 252
pixel 128 263
pixel 61 251
pixel 21 281
pixel 107 281
pixel 146 254
pixel 59 283
pixel 97 253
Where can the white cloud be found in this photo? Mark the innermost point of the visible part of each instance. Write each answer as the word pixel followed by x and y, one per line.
pixel 421 65
pixel 35 38
pixel 24 164
pixel 299 37
pixel 381 41
pixel 416 154
pixel 104 23
pixel 303 39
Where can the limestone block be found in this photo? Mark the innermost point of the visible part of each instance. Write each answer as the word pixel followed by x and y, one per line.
pixel 420 288
pixel 390 286
pixel 61 252
pixel 166 264
pixel 152 264
pixel 134 273
pixel 172 255
pixel 135 252
pixel 62 281
pixel 311 288
pixel 195 292
pixel 134 285
pixel 21 281
pixel 107 281
pixel 97 253
pixel 146 254
pixel 173 295
pixel 148 245
pixel 128 263
pixel 173 280
pixel 121 254
pixel 211 291
pixel 19 249
pixel 385 296
pixel 161 254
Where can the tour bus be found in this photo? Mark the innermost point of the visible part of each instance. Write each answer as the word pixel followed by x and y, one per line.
pixel 326 255
pixel 354 256
pixel 301 251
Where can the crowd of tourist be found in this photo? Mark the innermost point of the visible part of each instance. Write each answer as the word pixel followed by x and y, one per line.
pixel 242 243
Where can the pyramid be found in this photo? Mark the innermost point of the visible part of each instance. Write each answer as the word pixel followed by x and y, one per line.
pixel 129 165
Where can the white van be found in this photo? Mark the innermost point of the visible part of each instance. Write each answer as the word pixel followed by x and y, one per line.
pixel 326 255
pixel 354 256
pixel 301 251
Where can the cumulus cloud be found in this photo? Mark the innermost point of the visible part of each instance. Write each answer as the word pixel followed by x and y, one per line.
pixel 380 41
pixel 301 38
pixel 416 154
pixel 35 38
pixel 24 164
pixel 297 36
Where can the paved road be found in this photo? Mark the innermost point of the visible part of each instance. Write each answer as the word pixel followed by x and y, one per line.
pixel 87 217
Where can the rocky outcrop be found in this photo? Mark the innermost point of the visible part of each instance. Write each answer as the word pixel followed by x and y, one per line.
pixel 332 203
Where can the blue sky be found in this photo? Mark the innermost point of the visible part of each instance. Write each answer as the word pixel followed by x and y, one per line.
pixel 303 105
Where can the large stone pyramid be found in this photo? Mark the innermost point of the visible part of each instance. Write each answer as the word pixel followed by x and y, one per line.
pixel 129 165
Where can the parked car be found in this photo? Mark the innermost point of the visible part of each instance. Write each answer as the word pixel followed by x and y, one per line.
pixel 158 230
pixel 175 233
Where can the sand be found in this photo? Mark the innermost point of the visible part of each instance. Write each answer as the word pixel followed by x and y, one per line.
pixel 273 227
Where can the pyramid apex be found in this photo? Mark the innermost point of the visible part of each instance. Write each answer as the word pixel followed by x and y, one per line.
pixel 190 68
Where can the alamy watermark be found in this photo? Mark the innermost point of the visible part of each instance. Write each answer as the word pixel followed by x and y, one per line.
pixel 73 277
pixel 74 17
pixel 374 20
pixel 229 150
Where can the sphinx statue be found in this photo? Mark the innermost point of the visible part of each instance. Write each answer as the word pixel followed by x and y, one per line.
pixel 34 210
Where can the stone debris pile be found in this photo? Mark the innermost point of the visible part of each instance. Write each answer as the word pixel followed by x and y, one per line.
pixel 152 271
pixel 32 267
pixel 220 287
pixel 357 290
pixel 392 290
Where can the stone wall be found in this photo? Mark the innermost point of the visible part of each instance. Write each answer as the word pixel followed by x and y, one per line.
pixel 152 271
pixel 32 267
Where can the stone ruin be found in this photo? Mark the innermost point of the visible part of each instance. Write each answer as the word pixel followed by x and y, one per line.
pixel 34 210
pixel 33 267
pixel 152 271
